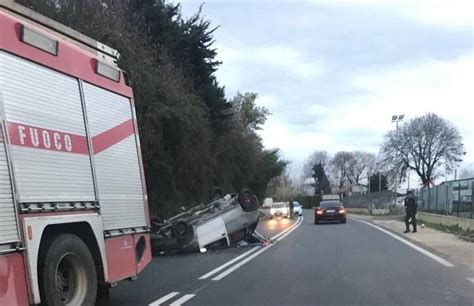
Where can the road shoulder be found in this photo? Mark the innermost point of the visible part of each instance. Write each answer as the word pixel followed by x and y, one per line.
pixel 448 245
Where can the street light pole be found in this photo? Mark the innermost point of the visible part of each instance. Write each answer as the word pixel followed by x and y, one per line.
pixel 408 179
pixel 396 119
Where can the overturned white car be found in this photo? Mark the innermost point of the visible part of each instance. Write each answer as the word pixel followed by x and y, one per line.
pixel 221 222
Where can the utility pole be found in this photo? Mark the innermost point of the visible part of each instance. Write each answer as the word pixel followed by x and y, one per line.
pixel 380 181
pixel 368 181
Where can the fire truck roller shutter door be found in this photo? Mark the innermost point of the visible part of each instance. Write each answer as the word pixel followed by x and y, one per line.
pixel 47 132
pixel 116 158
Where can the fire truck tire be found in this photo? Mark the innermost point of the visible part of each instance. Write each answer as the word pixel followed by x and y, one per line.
pixel 183 231
pixel 103 295
pixel 247 200
pixel 67 272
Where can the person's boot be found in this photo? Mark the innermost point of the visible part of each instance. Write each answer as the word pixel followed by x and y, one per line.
pixel 407 231
pixel 414 229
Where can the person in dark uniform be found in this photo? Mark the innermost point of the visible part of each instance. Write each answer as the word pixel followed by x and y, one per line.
pixel 410 208
pixel 292 207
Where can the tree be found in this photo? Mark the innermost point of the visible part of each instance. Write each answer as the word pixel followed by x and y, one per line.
pixel 314 158
pixel 340 163
pixel 321 181
pixel 281 188
pixel 192 137
pixel 424 144
pixel 359 166
pixel 374 182
pixel 252 116
pixel 269 165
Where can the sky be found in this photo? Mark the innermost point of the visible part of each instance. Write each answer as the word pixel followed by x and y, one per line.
pixel 332 73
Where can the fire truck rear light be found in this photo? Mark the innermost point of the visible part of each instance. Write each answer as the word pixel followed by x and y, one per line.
pixel 108 71
pixel 38 40
pixel 30 232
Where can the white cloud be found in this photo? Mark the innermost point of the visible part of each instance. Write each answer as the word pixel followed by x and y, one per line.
pixel 448 13
pixel 444 88
pixel 239 61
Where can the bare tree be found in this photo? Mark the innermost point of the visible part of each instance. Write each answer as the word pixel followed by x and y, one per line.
pixel 359 166
pixel 340 164
pixel 281 188
pixel 314 158
pixel 423 144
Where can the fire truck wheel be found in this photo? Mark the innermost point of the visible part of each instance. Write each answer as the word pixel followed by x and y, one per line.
pixel 183 231
pixel 68 275
pixel 247 200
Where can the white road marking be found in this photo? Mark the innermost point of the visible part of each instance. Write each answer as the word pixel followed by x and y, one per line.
pixel 182 300
pixel 286 230
pixel 471 279
pixel 414 246
pixel 225 265
pixel 207 275
pixel 164 299
pixel 246 260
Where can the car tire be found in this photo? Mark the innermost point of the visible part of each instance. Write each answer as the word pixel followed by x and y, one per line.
pixel 343 221
pixel 68 273
pixel 183 232
pixel 247 200
pixel 316 222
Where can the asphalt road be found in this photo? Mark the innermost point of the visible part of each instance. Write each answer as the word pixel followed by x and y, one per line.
pixel 329 264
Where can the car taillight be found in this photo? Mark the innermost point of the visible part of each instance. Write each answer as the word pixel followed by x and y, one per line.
pixel 342 211
pixel 319 212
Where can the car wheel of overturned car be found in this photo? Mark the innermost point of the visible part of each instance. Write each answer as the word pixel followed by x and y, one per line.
pixel 183 231
pixel 247 200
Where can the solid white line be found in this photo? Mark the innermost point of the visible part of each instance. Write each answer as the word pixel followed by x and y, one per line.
pixel 182 300
pixel 286 230
pixel 228 263
pixel 164 299
pixel 246 260
pixel 471 279
pixel 225 265
pixel 414 246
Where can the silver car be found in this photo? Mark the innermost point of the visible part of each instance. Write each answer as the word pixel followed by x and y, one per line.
pixel 280 209
pixel 223 221
pixel 298 209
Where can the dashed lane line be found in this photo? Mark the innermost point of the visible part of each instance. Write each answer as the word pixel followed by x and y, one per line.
pixel 182 300
pixel 163 299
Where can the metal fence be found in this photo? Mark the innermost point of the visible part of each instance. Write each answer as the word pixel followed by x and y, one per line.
pixel 453 198
pixel 380 200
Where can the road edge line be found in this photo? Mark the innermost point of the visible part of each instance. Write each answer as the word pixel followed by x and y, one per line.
pixel 246 260
pixel 410 244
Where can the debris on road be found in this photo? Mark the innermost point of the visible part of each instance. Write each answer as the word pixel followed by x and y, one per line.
pixel 224 221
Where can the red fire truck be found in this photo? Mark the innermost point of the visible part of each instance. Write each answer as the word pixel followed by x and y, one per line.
pixel 73 203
